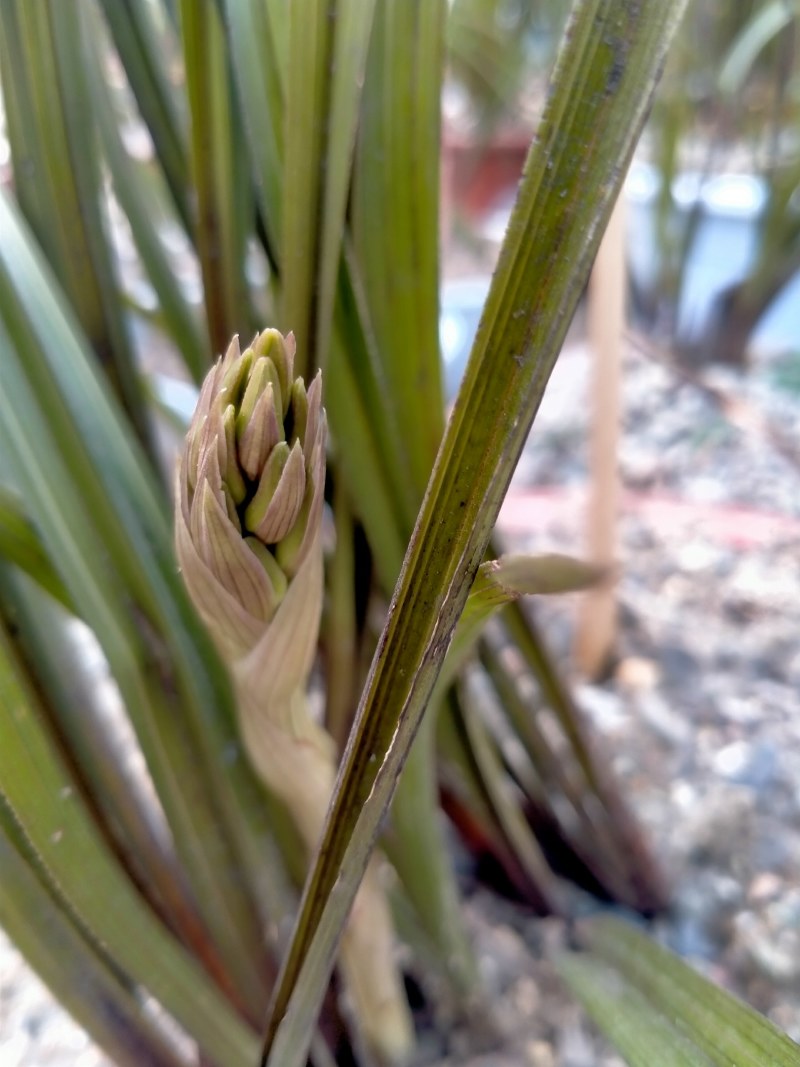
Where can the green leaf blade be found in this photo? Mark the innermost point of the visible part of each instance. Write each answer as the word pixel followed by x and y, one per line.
pixel 602 87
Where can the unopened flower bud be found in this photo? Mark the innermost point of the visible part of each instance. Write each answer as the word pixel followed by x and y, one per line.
pixel 251 477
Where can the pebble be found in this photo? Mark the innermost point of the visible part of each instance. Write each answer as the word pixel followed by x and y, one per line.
pixel 718 825
pixel 755 765
pixel 662 719
pixel 776 955
pixel 540 1054
pixel 636 674
pixel 764 887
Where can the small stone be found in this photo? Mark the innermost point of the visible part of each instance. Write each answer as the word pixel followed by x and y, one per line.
pixel 731 760
pixel 540 1054
pixel 777 957
pixel 575 1049
pixel 525 997
pixel 764 887
pixel 738 709
pixel 639 467
pixel 637 673
pixel 753 765
pixel 719 825
pixel 604 708
pixel 697 556
pixel 679 667
pixel 660 717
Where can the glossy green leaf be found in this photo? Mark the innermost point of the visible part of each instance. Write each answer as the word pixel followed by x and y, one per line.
pixel 366 436
pixel 417 848
pixel 79 705
pixel 598 101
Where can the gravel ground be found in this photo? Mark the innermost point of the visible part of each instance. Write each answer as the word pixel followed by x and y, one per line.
pixel 699 718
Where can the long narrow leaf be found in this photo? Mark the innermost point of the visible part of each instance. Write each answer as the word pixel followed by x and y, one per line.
pixel 71 965
pixel 58 181
pixel 136 201
pixel 257 73
pixel 395 217
pixel 70 499
pixel 141 51
pixel 602 87
pixel 310 44
pixel 220 174
pixel 50 813
pixel 20 544
pixel 724 1029
pixel 626 860
pixel 352 29
pixel 645 1038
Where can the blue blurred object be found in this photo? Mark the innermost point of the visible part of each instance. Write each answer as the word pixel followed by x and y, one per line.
pixel 461 307
pixel 722 253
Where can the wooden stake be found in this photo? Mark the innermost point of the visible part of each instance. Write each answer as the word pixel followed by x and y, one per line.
pixel 597 618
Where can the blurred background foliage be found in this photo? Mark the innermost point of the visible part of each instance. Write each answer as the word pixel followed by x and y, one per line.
pixel 177 172
pixel 713 196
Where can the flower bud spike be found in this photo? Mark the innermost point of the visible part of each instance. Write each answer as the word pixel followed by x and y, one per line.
pixel 235 630
pixel 243 486
pixel 248 520
pixel 210 480
pixel 290 348
pixel 193 455
pixel 289 552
